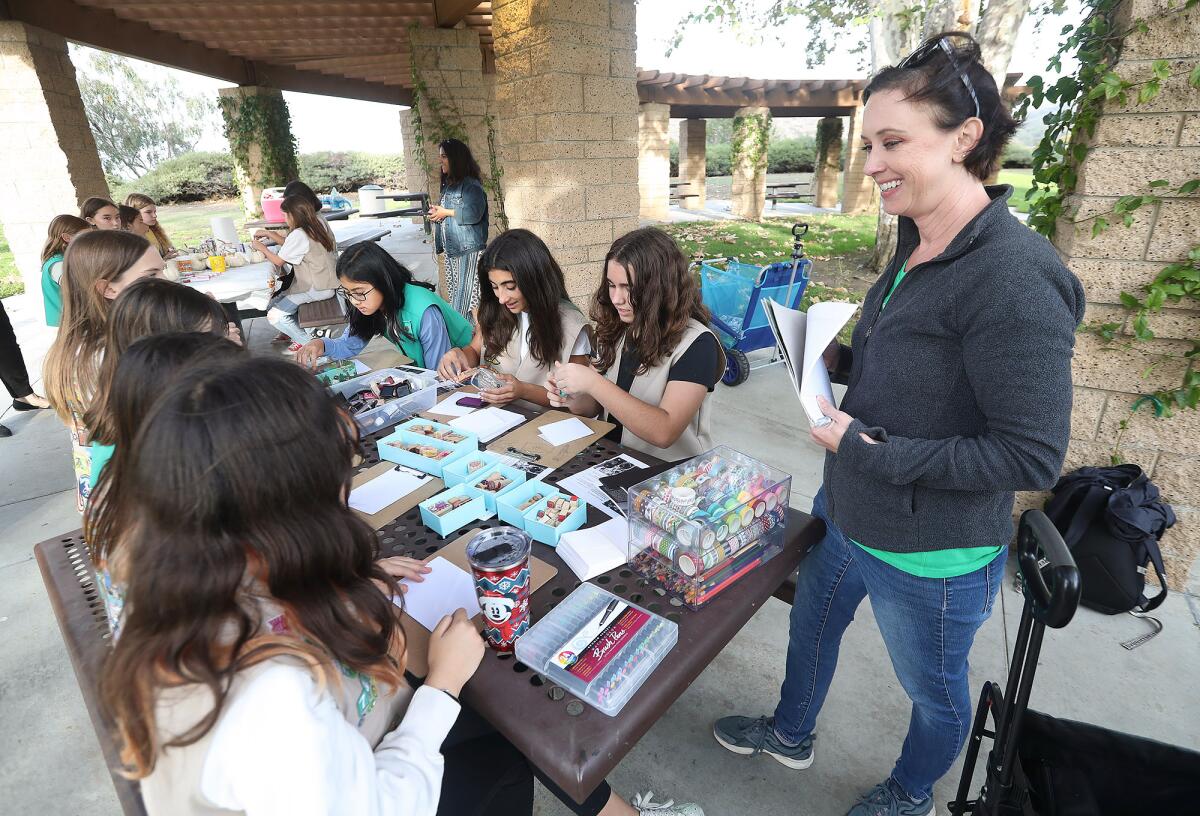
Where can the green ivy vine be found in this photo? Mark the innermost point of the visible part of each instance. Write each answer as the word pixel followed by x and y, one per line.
pixel 829 132
pixel 751 135
pixel 260 119
pixel 446 122
pixel 1079 101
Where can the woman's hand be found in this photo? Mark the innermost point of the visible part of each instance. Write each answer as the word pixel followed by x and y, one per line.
pixel 831 355
pixel 830 436
pixel 260 234
pixel 439 214
pixel 455 650
pixel 574 380
pixel 454 364
pixel 310 352
pixel 405 569
pixel 504 394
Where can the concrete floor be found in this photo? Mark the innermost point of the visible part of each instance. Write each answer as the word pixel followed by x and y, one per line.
pixel 52 763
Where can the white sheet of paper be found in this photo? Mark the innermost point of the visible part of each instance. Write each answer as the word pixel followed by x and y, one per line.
pixel 595 550
pixel 383 490
pixel 361 367
pixel 488 423
pixel 564 431
pixel 450 407
pixel 446 589
pixel 802 338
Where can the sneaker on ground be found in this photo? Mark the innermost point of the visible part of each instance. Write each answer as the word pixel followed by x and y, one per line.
pixel 887 799
pixel 292 349
pixel 749 736
pixel 645 805
pixel 282 338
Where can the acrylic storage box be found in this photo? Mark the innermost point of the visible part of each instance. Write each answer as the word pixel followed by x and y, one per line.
pixel 391 448
pixel 573 646
pixel 515 477
pixel 473 510
pixel 509 503
pixel 438 431
pixel 422 398
pixel 468 467
pixel 550 534
pixel 696 529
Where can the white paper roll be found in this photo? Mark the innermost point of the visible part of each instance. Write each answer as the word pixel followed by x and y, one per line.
pixel 224 230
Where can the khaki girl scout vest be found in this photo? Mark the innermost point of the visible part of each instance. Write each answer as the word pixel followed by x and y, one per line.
pixel 317 270
pixel 649 388
pixel 528 370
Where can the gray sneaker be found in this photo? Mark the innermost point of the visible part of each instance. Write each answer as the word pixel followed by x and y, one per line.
pixel 887 800
pixel 749 736
pixel 645 805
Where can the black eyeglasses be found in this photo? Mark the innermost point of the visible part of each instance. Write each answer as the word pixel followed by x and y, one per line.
pixel 357 297
pixel 928 49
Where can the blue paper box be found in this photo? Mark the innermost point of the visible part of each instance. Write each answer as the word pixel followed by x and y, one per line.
pixel 508 502
pixel 544 532
pixel 438 426
pixel 472 511
pixel 459 470
pixel 518 478
pixel 393 453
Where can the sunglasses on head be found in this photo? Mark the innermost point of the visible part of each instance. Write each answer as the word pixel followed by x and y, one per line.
pixel 928 49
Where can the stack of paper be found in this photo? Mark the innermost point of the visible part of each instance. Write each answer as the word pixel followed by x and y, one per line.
pixel 802 339
pixel 385 489
pixel 488 423
pixel 450 407
pixel 442 592
pixel 567 430
pixel 595 550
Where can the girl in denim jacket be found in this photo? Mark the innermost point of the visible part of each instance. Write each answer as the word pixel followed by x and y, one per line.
pixel 462 224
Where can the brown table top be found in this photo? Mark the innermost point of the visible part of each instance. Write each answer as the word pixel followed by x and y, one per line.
pixel 572 743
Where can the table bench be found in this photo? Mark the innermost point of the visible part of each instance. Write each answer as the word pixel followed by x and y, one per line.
pixel 676 193
pixel 574 744
pixel 788 190
pixel 328 215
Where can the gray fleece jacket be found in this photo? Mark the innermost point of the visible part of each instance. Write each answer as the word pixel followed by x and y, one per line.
pixel 964 380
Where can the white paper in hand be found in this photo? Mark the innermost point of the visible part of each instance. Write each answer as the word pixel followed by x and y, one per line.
pixel 567 430
pixel 803 338
pixel 446 589
pixel 488 423
pixel 383 490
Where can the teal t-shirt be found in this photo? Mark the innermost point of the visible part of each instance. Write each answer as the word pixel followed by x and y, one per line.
pixel 100 456
pixel 933 563
pixel 51 292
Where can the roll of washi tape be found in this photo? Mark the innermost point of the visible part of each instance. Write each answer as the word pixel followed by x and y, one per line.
pixel 683 499
pixel 722 532
pixel 760 507
pixel 734 522
pixel 747 515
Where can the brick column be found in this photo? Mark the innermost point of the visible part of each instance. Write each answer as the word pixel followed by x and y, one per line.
pixel 654 160
pixel 859 193
pixel 414 174
pixel 829 161
pixel 1132 145
pixel 749 191
pixel 692 162
pixel 566 101
pixel 48 159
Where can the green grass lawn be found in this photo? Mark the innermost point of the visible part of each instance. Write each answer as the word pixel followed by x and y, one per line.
pixel 1021 181
pixel 189 224
pixel 10 278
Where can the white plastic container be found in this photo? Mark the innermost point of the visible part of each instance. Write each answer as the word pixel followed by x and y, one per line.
pixel 543 647
pixel 368 200
pixel 423 397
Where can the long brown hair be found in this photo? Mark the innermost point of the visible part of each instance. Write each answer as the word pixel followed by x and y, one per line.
pixel 60 225
pixel 147 306
pixel 224 502
pixel 73 360
pixel 93 205
pixel 540 279
pixel 663 293
pixel 306 218
pixel 139 201
pixel 148 365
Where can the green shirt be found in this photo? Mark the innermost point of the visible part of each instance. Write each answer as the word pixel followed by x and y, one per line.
pixel 933 563
pixel 51 292
pixel 416 300
pixel 100 456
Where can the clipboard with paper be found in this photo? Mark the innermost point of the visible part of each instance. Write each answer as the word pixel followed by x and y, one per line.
pixel 802 338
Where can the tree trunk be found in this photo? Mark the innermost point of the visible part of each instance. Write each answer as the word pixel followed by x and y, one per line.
pixel 949 15
pixel 997 35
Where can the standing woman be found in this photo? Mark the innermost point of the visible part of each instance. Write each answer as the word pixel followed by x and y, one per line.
pixel 657 359
pixel 13 373
pixel 462 224
pixel 157 236
pixel 97 267
pixel 959 394
pixel 310 251
pixel 387 301
pixel 525 322
pixel 100 213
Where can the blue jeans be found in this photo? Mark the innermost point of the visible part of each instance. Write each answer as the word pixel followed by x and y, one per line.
pixel 281 312
pixel 928 625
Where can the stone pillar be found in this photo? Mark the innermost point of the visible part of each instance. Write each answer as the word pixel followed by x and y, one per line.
pixel 749 192
pixel 413 172
pixel 567 109
pixel 1132 145
pixel 829 161
pixel 259 168
pixel 859 193
pixel 48 159
pixel 692 162
pixel 654 160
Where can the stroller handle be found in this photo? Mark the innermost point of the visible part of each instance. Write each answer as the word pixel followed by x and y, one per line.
pixel 1053 606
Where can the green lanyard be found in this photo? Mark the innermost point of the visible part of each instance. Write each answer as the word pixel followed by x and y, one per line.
pixel 899 277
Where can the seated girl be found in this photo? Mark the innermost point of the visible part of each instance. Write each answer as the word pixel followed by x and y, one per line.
pixel 100 213
pixel 131 221
pixel 387 301
pixel 60 232
pixel 271 680
pixel 293 188
pixel 309 249
pixel 657 359
pixel 157 236
pixel 525 323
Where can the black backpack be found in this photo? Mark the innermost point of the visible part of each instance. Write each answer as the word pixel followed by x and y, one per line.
pixel 1112 519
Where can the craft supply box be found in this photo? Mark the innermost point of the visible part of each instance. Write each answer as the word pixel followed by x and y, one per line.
pixel 444 525
pixel 394 453
pixel 422 398
pixel 550 534
pixel 696 529
pixel 621 677
pixel 516 478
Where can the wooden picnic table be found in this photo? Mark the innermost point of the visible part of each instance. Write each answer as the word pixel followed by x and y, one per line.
pixel 677 194
pixel 574 744
pixel 787 189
